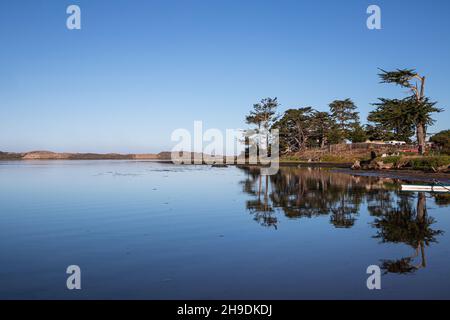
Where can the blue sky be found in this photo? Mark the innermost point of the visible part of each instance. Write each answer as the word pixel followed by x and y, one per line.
pixel 137 70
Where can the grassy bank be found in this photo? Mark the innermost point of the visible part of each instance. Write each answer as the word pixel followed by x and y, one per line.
pixel 429 163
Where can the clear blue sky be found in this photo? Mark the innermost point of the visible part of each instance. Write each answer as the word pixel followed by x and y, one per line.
pixel 139 69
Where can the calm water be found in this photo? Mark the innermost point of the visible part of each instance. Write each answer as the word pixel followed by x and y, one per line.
pixel 159 231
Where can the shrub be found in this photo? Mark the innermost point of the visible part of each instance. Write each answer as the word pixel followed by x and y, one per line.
pixel 442 141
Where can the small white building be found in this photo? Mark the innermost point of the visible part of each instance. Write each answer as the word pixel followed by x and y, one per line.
pixel 396 143
pixel 375 142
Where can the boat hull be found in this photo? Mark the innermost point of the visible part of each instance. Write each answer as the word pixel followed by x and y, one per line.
pixel 416 188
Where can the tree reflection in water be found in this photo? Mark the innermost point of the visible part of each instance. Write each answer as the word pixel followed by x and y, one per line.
pixel 304 193
pixel 308 193
pixel 260 208
pixel 409 225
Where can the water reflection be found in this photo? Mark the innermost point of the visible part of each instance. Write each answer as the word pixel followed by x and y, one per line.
pixel 259 205
pixel 398 217
pixel 306 193
pixel 442 199
pixel 410 225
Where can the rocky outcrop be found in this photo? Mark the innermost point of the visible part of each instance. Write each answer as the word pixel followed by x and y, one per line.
pixel 380 165
pixel 356 165
pixel 372 165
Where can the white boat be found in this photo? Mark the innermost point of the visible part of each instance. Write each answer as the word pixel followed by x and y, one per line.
pixel 429 188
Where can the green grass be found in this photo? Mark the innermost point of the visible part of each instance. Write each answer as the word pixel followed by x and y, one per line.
pixel 290 159
pixel 324 158
pixel 338 159
pixel 391 159
pixel 408 154
pixel 425 163
pixel 429 163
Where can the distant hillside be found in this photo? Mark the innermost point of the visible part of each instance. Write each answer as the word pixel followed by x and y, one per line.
pixel 10 156
pixel 48 155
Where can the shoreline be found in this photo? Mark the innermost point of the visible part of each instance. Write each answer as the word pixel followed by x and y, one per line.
pixel 407 175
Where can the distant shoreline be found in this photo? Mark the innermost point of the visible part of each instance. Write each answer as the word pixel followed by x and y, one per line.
pixel 49 155
pixel 164 157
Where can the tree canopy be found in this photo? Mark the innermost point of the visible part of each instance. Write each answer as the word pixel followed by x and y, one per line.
pixel 345 117
pixel 442 141
pixel 392 118
pixel 414 111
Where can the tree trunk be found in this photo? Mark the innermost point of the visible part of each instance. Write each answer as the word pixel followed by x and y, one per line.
pixel 421 130
pixel 421 216
pixel 421 207
pixel 301 138
pixel 260 187
pixel 422 88
pixel 421 137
